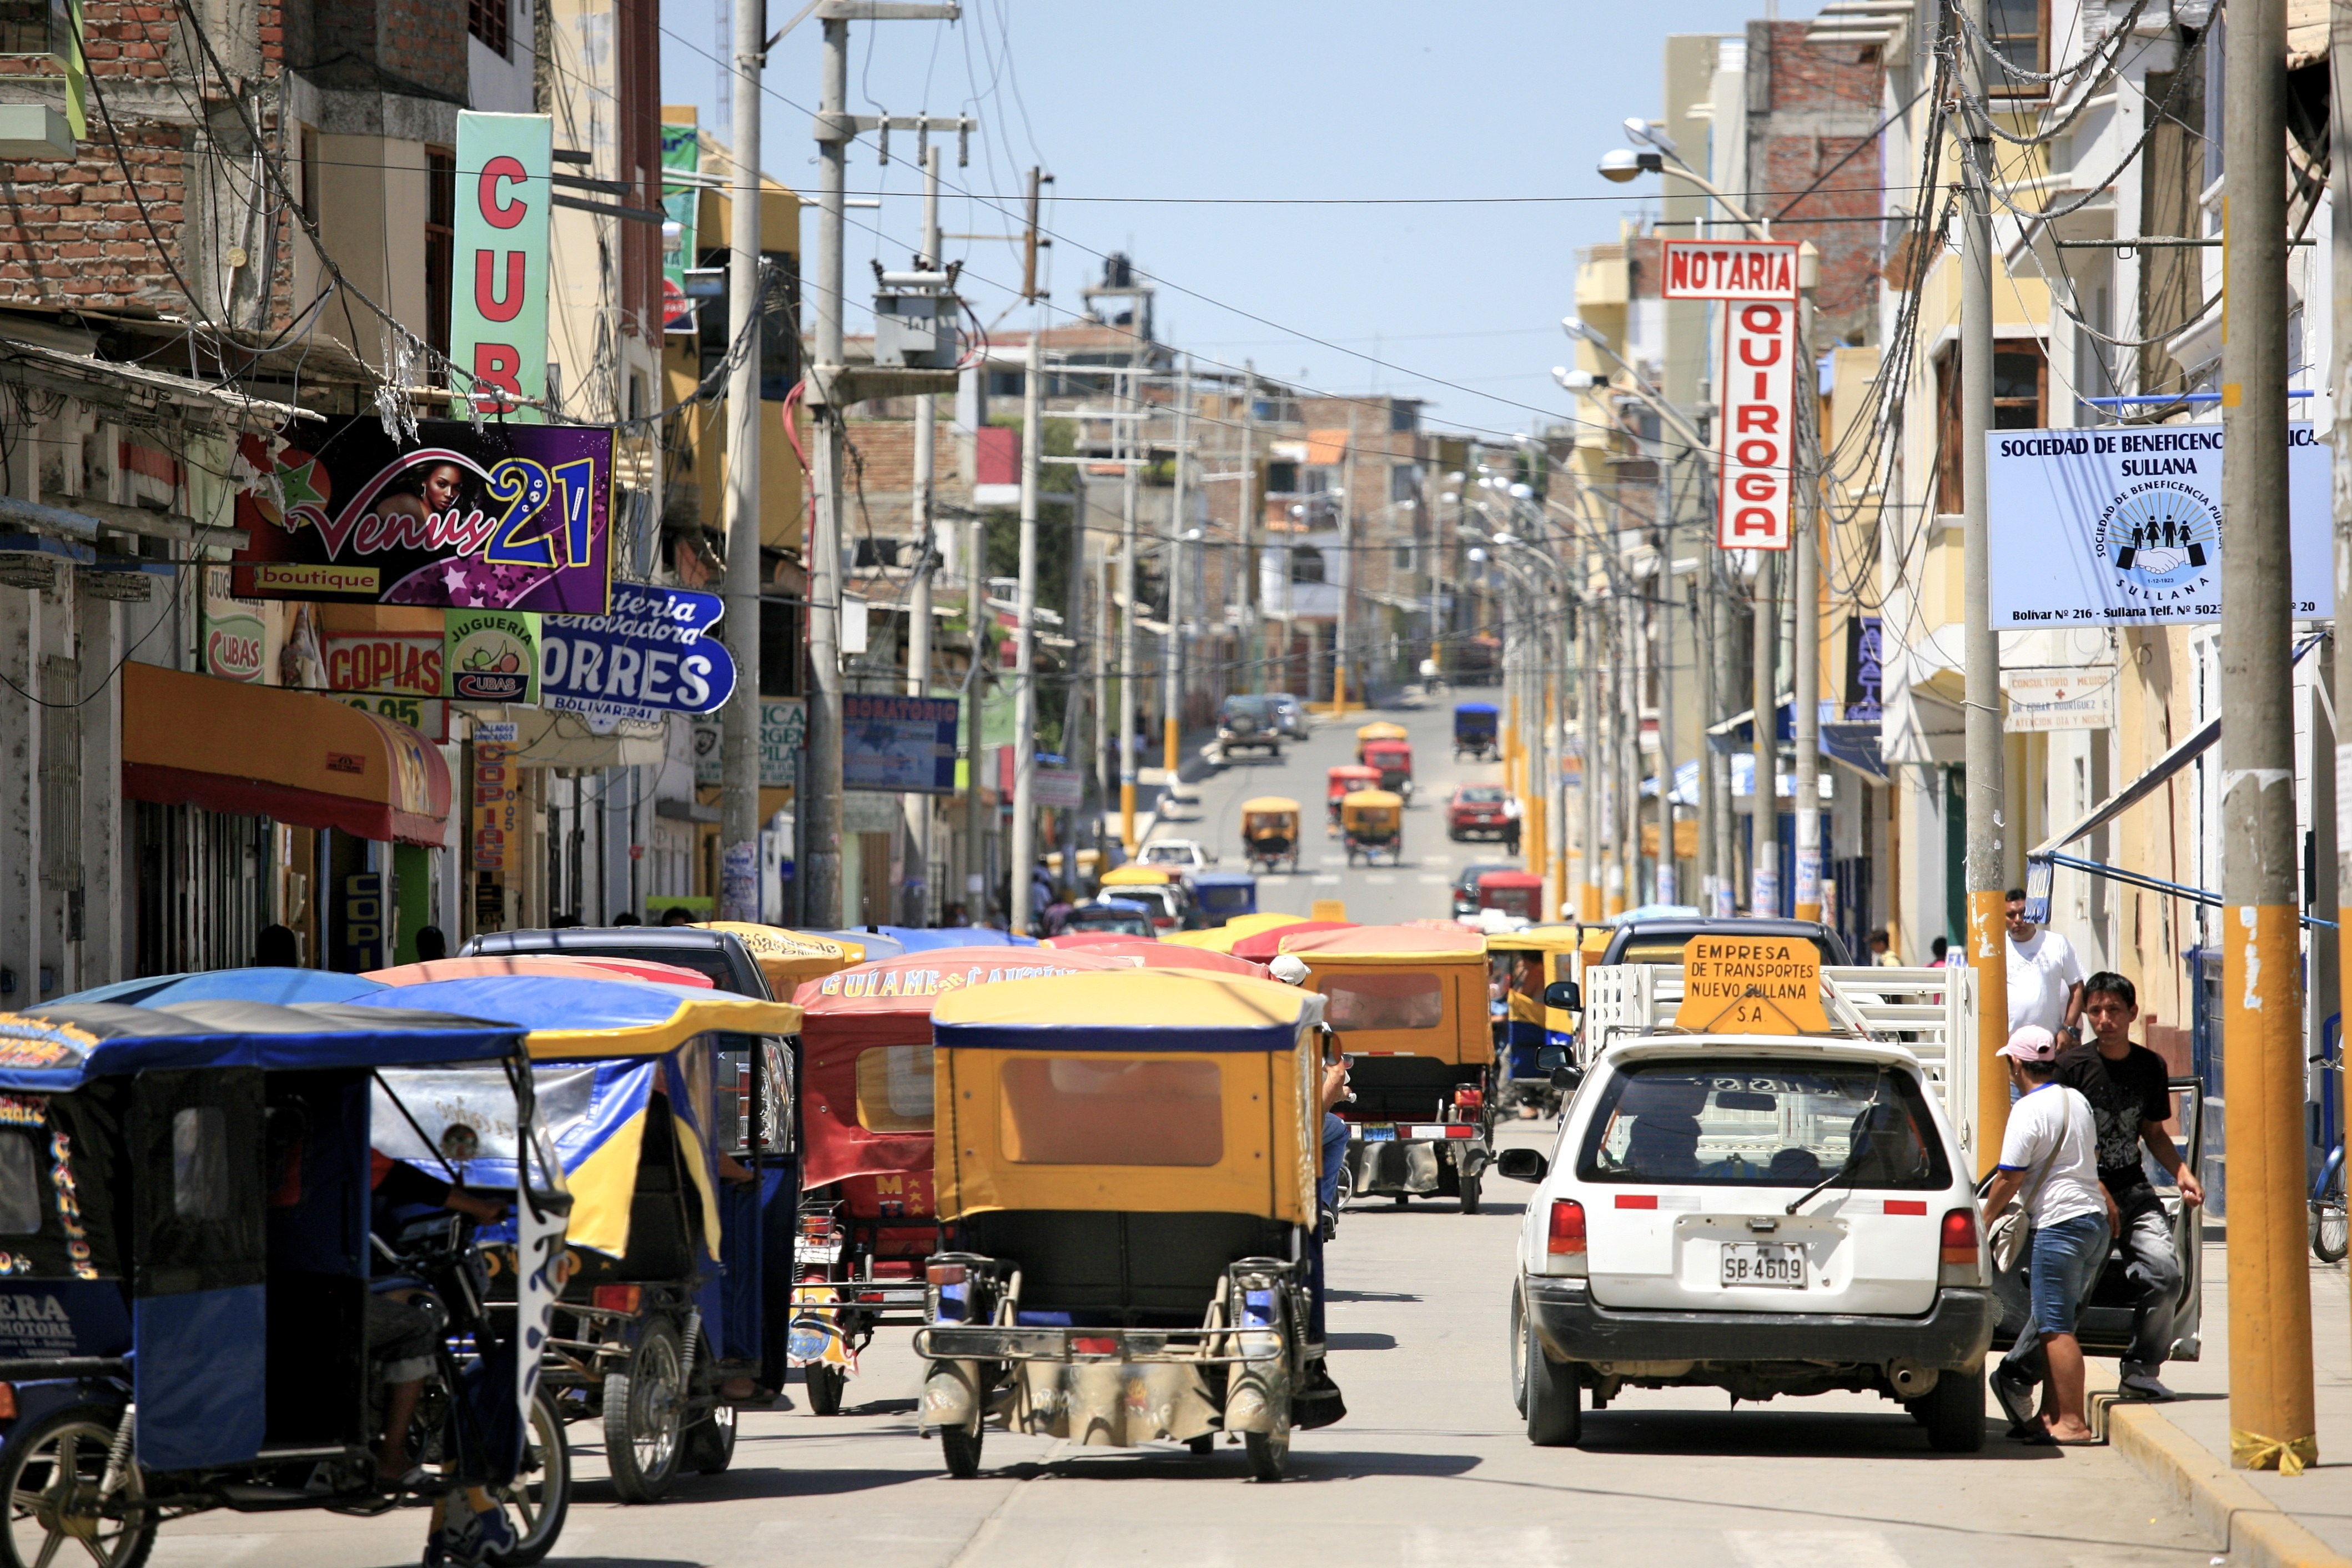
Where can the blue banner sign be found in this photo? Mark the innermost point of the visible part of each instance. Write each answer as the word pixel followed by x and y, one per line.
pixel 901 746
pixel 650 654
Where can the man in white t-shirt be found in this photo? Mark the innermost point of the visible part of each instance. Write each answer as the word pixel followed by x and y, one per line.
pixel 2045 978
pixel 2050 1154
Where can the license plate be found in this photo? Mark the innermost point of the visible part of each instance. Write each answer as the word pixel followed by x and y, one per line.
pixel 1763 1263
pixel 1379 1134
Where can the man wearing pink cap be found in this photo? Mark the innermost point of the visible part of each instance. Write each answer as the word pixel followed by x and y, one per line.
pixel 2049 1153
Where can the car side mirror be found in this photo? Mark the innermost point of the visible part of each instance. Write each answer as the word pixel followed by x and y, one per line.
pixel 1562 995
pixel 1565 1078
pixel 1521 1166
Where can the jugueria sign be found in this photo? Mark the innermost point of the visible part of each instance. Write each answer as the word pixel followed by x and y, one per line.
pixel 1755 284
pixel 498 289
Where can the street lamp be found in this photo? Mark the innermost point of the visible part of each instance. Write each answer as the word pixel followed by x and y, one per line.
pixel 1659 156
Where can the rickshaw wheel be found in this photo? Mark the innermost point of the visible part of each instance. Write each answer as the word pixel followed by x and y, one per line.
pixel 824 1387
pixel 644 1411
pixel 1204 1446
pixel 710 1442
pixel 962 1451
pixel 52 1488
pixel 1469 1194
pixel 1269 1452
pixel 536 1505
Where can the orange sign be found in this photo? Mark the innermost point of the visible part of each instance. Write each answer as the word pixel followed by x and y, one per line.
pixel 1751 986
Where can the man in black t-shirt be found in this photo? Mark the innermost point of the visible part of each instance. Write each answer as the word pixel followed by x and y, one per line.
pixel 2130 1104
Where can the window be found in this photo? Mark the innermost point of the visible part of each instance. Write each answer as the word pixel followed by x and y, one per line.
pixel 200 1162
pixel 440 242
pixel 24 28
pixel 1763 1124
pixel 1307 565
pixel 2020 33
pixel 492 22
pixel 311 174
pixel 21 1186
pixel 1399 1000
pixel 1402 557
pixel 1404 416
pixel 1281 478
pixel 1068 1111
pixel 1404 481
pixel 893 1089
pixel 2019 387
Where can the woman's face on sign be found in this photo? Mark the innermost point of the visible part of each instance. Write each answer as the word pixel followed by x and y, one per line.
pixel 441 485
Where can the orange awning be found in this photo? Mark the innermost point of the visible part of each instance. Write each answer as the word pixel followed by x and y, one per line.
pixel 260 750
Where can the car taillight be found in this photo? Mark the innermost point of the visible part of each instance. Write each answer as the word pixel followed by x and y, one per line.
pixel 1959 1249
pixel 617 1298
pixel 1566 1236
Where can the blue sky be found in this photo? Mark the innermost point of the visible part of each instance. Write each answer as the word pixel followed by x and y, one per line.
pixel 1270 101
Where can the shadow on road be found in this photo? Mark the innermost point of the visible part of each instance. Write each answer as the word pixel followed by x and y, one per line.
pixel 1755 1433
pixel 1359 1342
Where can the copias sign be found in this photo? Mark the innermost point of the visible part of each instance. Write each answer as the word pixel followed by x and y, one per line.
pixel 498 289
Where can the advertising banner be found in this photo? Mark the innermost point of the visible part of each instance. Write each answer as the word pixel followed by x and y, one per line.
pixel 241 637
pixel 506 517
pixel 499 285
pixel 1728 269
pixel 1755 441
pixel 783 729
pixel 903 745
pixel 491 656
pixel 681 151
pixel 496 825
pixel 2121 525
pixel 2060 700
pixel 648 655
pixel 405 664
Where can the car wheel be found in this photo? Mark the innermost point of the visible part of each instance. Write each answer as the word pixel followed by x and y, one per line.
pixel 1549 1396
pixel 962 1451
pixel 644 1411
pixel 1954 1412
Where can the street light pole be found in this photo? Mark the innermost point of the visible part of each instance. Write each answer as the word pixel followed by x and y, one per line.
pixel 739 755
pixel 1025 648
pixel 1171 699
pixel 1805 703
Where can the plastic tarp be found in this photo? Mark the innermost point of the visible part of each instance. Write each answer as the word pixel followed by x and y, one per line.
pixel 931 939
pixel 275 984
pixel 60 1046
pixel 789 957
pixel 561 966
pixel 571 1019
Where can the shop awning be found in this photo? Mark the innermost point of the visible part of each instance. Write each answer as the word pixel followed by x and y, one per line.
pixel 302 759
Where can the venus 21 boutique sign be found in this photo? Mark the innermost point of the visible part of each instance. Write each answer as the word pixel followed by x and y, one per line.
pixel 2123 525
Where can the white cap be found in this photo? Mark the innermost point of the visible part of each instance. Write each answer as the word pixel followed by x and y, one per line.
pixel 1288 968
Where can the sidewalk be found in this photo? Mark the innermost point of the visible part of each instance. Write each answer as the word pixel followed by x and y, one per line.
pixel 2265 1517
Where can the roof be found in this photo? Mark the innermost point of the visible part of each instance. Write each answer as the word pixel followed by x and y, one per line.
pixel 578 1020
pixel 1382 731
pixel 1509 879
pixel 915 982
pixel 1402 942
pixel 1139 1010
pixel 1137 877
pixel 559 965
pixel 923 938
pixel 270 983
pixel 1487 708
pixel 1223 878
pixel 1270 803
pixel 1370 797
pixel 1153 954
pixel 61 1045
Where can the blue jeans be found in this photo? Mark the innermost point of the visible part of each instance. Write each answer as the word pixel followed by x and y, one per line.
pixel 1335 1157
pixel 2052 1281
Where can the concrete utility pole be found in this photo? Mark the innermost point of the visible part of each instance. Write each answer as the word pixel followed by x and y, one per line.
pixel 1718 623
pixel 1172 701
pixel 1341 627
pixel 918 608
pixel 976 693
pixel 1805 513
pixel 1025 648
pixel 739 735
pixel 1253 646
pixel 2271 1392
pixel 1590 893
pixel 1665 619
pixel 1764 747
pixel 2340 286
pixel 1129 758
pixel 1988 937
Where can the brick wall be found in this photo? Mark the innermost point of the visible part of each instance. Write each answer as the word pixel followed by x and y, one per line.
pixel 423 42
pixel 1810 106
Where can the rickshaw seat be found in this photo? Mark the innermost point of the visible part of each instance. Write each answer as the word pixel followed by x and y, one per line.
pixel 1148 1269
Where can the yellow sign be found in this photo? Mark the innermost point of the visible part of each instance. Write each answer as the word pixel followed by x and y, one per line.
pixel 1751 986
pixel 1328 910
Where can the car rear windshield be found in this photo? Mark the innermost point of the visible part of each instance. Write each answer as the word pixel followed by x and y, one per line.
pixel 1482 794
pixel 1253 706
pixel 1760 1123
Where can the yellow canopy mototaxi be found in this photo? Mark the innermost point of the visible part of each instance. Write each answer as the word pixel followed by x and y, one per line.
pixel 1129 1161
pixel 1372 824
pixel 1379 732
pixel 1530 1039
pixel 789 959
pixel 1270 831
pixel 1408 1005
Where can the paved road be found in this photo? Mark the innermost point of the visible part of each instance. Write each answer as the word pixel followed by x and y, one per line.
pixel 1429 1466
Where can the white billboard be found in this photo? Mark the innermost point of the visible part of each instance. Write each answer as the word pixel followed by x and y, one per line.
pixel 2121 525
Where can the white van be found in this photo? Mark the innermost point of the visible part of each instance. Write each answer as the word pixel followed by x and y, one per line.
pixel 1765 1214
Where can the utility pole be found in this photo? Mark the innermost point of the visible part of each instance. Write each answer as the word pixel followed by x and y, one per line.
pixel 1128 758
pixel 1718 624
pixel 1024 690
pixel 1665 619
pixel 1804 486
pixel 2271 1392
pixel 2341 285
pixel 1172 701
pixel 1253 644
pixel 1343 625
pixel 1588 628
pixel 1988 938
pixel 1629 745
pixel 1764 746
pixel 739 737
pixel 919 609
pixel 975 694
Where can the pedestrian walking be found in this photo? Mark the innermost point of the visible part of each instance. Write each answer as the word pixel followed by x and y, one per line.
pixel 1882 950
pixel 2049 1162
pixel 2045 978
pixel 2130 1102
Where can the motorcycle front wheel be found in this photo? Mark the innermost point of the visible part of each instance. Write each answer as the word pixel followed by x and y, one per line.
pixel 539 1496
pixel 55 1513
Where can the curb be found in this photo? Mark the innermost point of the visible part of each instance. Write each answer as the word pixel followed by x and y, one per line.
pixel 2251 1527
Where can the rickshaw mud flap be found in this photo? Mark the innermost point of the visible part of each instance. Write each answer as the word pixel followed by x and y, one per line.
pixel 949 1342
pixel 951 1398
pixel 1411 1164
pixel 1112 1404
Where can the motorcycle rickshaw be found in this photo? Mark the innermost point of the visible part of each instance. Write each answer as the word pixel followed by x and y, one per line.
pixel 1394 760
pixel 1514 893
pixel 185 1195
pixel 1346 779
pixel 867 1218
pixel 1222 939
pixel 1530 1038
pixel 1372 824
pixel 1227 895
pixel 1270 832
pixel 1371 734
pixel 561 965
pixel 1476 726
pixel 788 959
pixel 1409 1008
pixel 684 1198
pixel 1131 1183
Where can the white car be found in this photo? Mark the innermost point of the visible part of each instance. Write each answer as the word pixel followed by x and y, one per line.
pixel 1765 1214
pixel 1182 855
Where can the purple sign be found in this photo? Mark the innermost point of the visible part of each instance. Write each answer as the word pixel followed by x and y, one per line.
pixel 509 517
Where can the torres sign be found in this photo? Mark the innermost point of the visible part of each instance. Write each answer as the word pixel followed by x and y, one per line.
pixel 1751 986
pixel 1756 280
